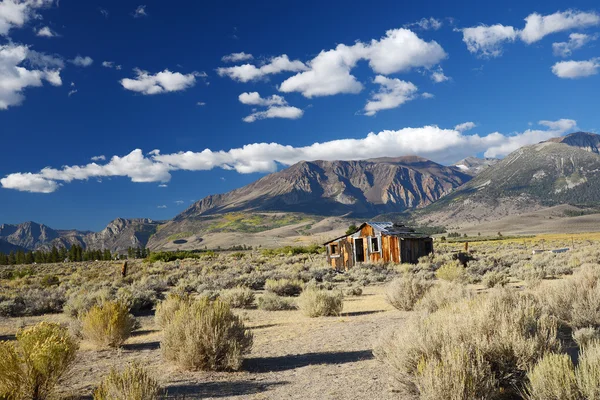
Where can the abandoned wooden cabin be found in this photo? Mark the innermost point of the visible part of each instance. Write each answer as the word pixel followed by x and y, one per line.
pixel 378 241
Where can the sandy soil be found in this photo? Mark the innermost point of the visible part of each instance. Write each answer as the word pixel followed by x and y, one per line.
pixel 293 357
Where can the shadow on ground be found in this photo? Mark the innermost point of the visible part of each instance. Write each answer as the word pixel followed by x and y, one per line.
pixel 219 389
pixel 142 346
pixel 284 363
pixel 359 313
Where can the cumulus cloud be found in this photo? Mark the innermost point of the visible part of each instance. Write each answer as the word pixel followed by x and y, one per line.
pixel 576 69
pixel 162 82
pixel 439 144
pixel 576 41
pixel 110 64
pixel 45 32
pixel 329 72
pixel 82 61
pixel 249 72
pixel 16 13
pixel 140 11
pixel 438 76
pixel 487 41
pixel 15 77
pixel 237 57
pixel 276 105
pixel 99 158
pixel 465 126
pixel 392 93
pixel 538 26
pixel 426 24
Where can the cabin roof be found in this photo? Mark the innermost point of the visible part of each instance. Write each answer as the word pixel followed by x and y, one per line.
pixel 388 228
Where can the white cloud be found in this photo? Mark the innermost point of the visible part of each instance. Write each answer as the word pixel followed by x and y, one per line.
pixel 392 93
pixel 140 11
pixel 162 82
pixel 486 41
pixel 426 24
pixel 398 51
pixel 465 126
pixel 163 206
pixel 576 41
pixel 249 72
pixel 426 95
pixel 276 105
pixel 538 26
pixel 45 32
pixel 104 12
pixel 15 77
pixel 72 92
pixel 438 76
pixel 179 202
pixel 110 64
pixel 576 69
pixel 254 98
pixel 438 144
pixel 237 57
pixel 15 13
pixel 287 112
pixel 201 103
pixel 99 158
pixel 163 185
pixel 82 61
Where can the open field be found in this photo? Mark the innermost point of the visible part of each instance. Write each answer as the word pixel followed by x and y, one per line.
pixel 358 353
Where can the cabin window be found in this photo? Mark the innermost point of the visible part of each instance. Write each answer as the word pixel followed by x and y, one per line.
pixel 334 249
pixel 375 245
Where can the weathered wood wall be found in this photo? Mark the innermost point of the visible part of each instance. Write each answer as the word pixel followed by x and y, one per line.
pixel 393 249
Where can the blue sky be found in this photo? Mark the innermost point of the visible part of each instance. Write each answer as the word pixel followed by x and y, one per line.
pixel 104 78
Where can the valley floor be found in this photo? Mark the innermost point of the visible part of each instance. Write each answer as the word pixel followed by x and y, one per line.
pixel 293 357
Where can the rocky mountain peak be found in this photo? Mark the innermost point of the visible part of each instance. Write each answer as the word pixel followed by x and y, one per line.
pixel 584 140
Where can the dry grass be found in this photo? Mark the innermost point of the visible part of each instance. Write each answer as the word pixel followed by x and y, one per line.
pixel 133 383
pixel 206 335
pixel 404 292
pixel 31 367
pixel 271 302
pixel 553 378
pixel 108 324
pixel 315 302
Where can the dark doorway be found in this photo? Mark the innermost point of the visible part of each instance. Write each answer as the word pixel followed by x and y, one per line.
pixel 359 250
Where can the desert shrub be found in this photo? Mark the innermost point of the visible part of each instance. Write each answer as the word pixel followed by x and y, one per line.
pixel 354 291
pixel 133 383
pixel 31 366
pixel 284 287
pixel 442 295
pixel 576 299
pixel 33 302
pixel 166 309
pixel 553 378
pixel 452 271
pixel 506 331
pixel 271 302
pixel 239 297
pixel 495 278
pixel 404 292
pixel 79 302
pixel 206 335
pixel 141 295
pixel 108 324
pixel 588 372
pixel 314 302
pixel 458 374
pixel 585 336
pixel 49 281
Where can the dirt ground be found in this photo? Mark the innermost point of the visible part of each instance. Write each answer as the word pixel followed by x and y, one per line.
pixel 293 357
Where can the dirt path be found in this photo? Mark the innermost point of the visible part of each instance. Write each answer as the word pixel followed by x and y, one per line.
pixel 293 357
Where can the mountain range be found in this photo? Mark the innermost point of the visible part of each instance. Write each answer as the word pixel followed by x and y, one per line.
pixel 311 197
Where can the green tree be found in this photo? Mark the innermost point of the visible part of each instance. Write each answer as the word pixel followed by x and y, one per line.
pixel 351 229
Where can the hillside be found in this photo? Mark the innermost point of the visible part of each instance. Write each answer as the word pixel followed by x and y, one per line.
pixel 559 171
pixel 366 187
